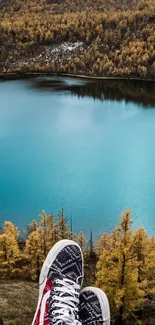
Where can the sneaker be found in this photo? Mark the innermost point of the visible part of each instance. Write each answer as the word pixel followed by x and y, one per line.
pixel 60 283
pixel 94 307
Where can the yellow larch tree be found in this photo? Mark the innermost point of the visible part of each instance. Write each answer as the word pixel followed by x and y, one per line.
pixel 103 243
pixel 63 231
pixel 40 240
pixel 81 240
pixel 150 268
pixel 9 250
pixel 48 227
pixel 141 247
pixel 35 253
pixel 117 272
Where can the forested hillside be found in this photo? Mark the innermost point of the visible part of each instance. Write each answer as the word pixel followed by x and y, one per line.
pixel 75 5
pixel 100 38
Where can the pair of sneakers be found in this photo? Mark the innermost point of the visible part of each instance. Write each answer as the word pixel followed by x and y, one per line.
pixel 61 300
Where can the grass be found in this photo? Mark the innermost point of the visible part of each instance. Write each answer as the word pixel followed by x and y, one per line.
pixel 18 300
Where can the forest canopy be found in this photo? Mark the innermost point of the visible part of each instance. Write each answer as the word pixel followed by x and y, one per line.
pixel 101 38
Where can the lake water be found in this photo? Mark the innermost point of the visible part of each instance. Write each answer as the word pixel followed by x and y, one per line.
pixel 88 147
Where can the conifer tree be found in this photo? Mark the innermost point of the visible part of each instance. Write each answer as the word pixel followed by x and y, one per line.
pixel 91 244
pixel 63 231
pixel 35 253
pixel 81 240
pixel 90 260
pixel 9 250
pixel 149 269
pixel 71 228
pixel 39 242
pixel 43 226
pixel 4 269
pixel 141 251
pixel 117 272
pixel 103 243
pixel 49 230
pixel 31 227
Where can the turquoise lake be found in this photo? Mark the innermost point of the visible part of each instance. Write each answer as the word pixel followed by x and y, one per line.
pixel 88 147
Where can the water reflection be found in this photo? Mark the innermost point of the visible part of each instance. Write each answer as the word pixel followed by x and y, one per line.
pixel 140 92
pixel 95 158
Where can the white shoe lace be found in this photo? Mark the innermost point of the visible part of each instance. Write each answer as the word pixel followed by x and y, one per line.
pixel 65 302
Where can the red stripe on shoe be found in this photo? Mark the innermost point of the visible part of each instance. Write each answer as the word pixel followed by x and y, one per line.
pixel 44 306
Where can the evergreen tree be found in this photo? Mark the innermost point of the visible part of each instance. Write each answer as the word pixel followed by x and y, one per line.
pixel 91 244
pixel 71 228
pixel 90 262
pixel 63 231
pixel 141 251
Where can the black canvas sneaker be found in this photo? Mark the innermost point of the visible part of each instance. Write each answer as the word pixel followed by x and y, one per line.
pixel 60 283
pixel 94 307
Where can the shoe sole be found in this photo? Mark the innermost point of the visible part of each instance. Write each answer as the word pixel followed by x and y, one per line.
pixel 103 300
pixel 55 250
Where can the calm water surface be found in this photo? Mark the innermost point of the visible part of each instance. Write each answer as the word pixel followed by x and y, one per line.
pixel 88 148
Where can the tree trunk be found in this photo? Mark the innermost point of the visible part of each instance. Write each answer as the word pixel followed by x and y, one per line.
pixel 121 311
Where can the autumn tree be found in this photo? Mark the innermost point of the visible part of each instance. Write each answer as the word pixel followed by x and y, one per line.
pixel 48 227
pixel 63 231
pixel 117 272
pixel 117 37
pixel 35 253
pixel 39 242
pixel 31 227
pixel 149 270
pixel 9 250
pixel 104 242
pixel 81 241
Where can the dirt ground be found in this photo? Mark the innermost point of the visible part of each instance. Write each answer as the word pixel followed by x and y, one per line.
pixel 18 300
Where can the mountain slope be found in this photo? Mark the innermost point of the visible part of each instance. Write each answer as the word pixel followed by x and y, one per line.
pixel 101 38
pixel 76 5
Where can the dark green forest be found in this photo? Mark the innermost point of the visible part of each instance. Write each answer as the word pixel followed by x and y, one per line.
pixel 98 38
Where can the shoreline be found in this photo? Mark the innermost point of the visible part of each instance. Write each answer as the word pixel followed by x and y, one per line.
pixel 26 75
